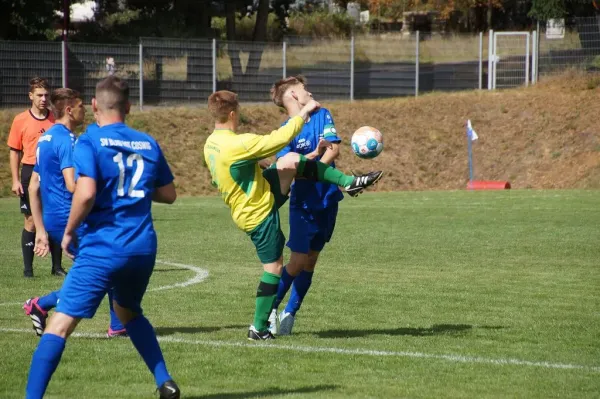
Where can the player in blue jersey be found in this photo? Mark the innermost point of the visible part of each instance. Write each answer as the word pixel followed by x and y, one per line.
pixel 53 179
pixel 313 205
pixel 119 173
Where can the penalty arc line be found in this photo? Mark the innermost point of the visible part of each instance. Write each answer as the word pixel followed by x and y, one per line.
pixel 200 276
pixel 361 352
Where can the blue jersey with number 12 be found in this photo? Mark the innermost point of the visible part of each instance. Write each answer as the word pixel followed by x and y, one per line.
pixel 127 166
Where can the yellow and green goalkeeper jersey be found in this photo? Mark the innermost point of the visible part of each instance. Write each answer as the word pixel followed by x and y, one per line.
pixel 233 162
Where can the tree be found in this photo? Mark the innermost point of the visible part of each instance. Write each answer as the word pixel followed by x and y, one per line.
pixel 19 20
pixel 548 9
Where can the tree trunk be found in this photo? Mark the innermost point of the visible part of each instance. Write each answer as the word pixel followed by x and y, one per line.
pixel 232 48
pixel 489 15
pixel 259 37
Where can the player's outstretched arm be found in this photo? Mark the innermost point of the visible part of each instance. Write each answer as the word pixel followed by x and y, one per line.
pixel 83 201
pixel 165 194
pixel 42 246
pixel 259 147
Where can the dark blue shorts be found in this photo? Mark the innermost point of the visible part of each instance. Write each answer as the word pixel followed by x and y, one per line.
pixel 91 277
pixel 311 230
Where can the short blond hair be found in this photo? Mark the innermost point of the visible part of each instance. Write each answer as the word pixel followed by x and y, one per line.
pixel 221 104
pixel 281 86
pixel 61 99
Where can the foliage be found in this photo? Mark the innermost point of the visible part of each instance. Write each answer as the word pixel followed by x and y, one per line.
pixel 321 24
pixel 548 9
pixel 19 20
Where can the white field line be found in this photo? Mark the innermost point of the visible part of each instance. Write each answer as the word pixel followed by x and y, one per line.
pixel 361 352
pixel 200 276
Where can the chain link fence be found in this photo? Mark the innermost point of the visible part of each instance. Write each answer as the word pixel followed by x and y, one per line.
pixel 164 71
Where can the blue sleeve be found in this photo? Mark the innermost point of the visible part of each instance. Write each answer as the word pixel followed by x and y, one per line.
pixel 64 151
pixel 329 130
pixel 36 166
pixel 84 157
pixel 163 172
pixel 284 150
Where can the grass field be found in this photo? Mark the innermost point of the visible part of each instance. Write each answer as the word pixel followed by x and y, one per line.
pixel 419 294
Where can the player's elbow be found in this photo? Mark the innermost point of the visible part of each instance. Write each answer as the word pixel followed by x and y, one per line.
pixel 165 194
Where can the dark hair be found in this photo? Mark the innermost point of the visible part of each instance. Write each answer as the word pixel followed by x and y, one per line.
pixel 38 83
pixel 61 98
pixel 112 93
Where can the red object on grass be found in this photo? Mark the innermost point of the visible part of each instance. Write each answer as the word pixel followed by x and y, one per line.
pixel 488 185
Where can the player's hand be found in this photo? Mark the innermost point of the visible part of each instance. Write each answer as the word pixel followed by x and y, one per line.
pixel 323 146
pixel 42 245
pixel 312 106
pixel 264 163
pixel 68 240
pixel 17 188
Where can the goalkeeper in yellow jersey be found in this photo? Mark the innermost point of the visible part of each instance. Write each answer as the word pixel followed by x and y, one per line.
pixel 254 196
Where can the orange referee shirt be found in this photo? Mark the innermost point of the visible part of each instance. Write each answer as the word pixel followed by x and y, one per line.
pixel 25 131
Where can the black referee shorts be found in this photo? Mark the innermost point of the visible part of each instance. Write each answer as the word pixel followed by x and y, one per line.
pixel 26 171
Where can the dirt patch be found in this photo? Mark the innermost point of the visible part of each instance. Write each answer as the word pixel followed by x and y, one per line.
pixel 546 136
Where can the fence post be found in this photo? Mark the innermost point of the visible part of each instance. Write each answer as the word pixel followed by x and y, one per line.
pixel 480 60
pixel 534 61
pixel 352 68
pixel 527 60
pixel 141 76
pixel 214 65
pixel 64 63
pixel 417 66
pixel 490 59
pixel 284 59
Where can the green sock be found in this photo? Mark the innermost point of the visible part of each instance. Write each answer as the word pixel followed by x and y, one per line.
pixel 315 170
pixel 265 297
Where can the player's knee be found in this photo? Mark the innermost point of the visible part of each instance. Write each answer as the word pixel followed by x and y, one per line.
pixel 297 263
pixel 125 315
pixel 288 162
pixel 28 224
pixel 61 325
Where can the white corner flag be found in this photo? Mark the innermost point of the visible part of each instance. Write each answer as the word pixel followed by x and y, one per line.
pixel 470 132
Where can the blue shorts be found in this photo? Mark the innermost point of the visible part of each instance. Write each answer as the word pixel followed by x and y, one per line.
pixel 91 277
pixel 311 230
pixel 57 236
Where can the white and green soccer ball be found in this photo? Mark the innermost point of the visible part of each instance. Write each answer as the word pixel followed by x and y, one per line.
pixel 367 142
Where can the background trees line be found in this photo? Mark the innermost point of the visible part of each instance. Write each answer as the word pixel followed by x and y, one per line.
pixel 265 20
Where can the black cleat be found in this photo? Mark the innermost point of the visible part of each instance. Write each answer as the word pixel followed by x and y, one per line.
pixel 169 390
pixel 28 273
pixel 60 272
pixel 363 181
pixel 37 315
pixel 255 335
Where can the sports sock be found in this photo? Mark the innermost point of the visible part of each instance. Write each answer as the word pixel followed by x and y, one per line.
pixel 43 364
pixel 284 285
pixel 265 296
pixel 315 170
pixel 27 244
pixel 299 289
pixel 142 335
pixel 48 301
pixel 56 252
pixel 115 323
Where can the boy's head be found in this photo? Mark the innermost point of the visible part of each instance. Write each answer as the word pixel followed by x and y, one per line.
pixel 112 95
pixel 68 102
pixel 39 93
pixel 224 107
pixel 289 90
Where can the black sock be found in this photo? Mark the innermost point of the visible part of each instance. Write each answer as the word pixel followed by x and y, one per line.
pixel 27 244
pixel 56 252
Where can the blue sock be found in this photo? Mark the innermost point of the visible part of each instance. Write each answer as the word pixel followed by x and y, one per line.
pixel 299 290
pixel 43 364
pixel 48 302
pixel 142 335
pixel 284 285
pixel 115 323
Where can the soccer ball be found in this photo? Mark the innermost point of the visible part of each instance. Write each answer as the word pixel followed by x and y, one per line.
pixel 367 142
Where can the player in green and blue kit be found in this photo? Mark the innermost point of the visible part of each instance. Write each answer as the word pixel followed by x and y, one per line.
pixel 53 179
pixel 119 173
pixel 313 205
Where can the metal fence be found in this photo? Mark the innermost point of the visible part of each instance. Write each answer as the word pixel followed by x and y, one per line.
pixel 177 71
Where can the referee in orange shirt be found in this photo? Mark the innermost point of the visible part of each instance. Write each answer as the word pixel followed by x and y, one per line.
pixel 27 127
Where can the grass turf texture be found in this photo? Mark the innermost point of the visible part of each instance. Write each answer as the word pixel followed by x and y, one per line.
pixel 491 275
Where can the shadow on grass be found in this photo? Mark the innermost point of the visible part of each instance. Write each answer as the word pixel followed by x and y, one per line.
pixel 436 329
pixel 162 331
pixel 266 392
